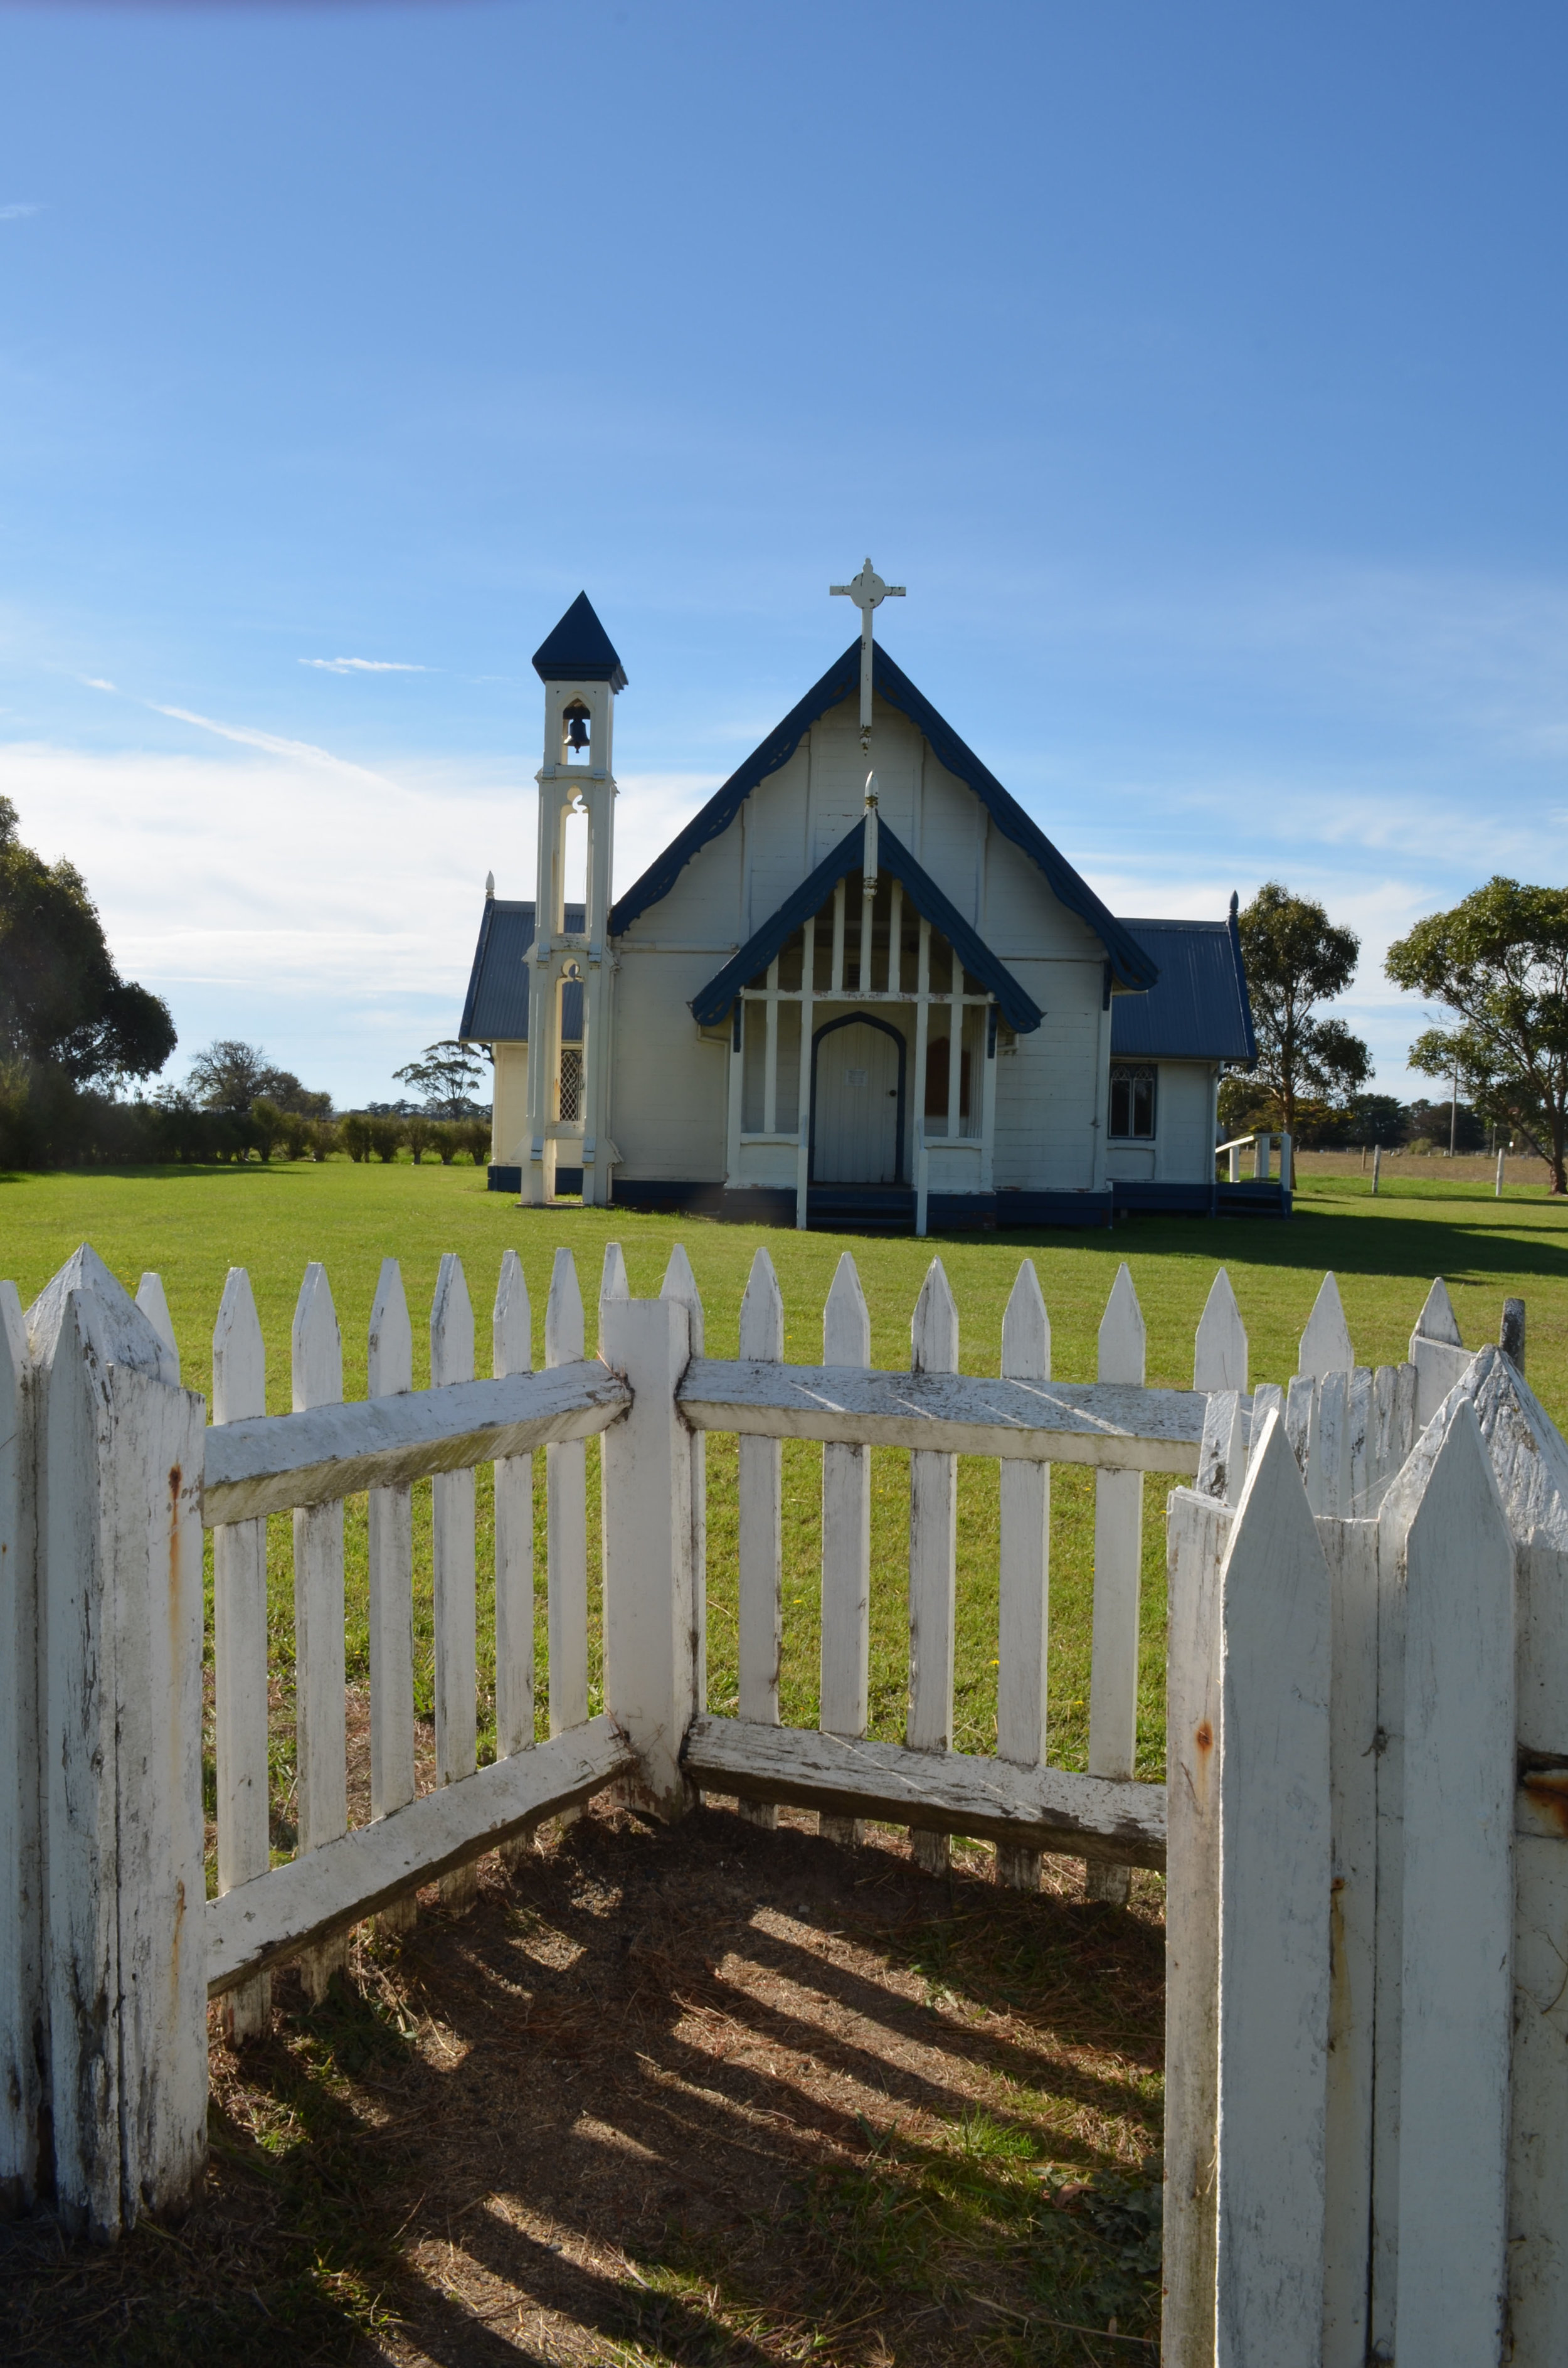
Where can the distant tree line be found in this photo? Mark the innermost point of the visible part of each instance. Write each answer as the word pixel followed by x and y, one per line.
pixel 1496 964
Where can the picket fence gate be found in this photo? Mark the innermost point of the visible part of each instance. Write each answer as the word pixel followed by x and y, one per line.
pixel 1360 2150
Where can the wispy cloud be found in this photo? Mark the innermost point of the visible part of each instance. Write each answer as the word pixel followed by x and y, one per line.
pixel 364 666
pixel 97 682
pixel 18 213
pixel 302 751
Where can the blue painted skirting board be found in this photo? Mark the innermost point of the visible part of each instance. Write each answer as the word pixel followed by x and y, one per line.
pixel 880 1209
pixel 511 1180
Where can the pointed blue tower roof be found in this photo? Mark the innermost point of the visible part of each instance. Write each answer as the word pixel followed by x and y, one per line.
pixel 579 650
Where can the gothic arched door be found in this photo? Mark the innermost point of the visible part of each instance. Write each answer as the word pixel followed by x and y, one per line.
pixel 858 1101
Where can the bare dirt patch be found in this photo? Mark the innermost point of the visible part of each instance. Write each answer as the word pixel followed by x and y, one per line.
pixel 708 2094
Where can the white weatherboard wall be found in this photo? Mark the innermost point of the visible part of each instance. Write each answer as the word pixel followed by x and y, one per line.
pixel 509 1118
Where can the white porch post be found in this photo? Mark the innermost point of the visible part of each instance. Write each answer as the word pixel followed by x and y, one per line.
pixel 804 1104
pixel 922 1024
pixel 736 1074
pixel 988 1097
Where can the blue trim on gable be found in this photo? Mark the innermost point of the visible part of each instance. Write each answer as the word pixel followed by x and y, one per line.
pixel 1131 964
pixel 710 1003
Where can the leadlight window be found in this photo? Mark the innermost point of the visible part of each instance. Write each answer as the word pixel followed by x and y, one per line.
pixel 1132 1103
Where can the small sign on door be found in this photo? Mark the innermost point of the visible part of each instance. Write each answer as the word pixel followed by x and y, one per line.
pixel 854 1076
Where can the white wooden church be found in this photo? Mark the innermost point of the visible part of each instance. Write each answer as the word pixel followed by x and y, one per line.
pixel 861 985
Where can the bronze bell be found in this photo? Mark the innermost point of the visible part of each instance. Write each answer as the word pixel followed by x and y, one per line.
pixel 577 727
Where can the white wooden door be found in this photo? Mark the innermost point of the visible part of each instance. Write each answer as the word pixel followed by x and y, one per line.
pixel 857 1106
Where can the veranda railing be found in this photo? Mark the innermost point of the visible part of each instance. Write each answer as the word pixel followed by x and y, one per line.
pixel 107 1475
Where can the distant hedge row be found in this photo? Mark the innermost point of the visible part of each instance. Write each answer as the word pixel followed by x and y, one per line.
pixel 46 1121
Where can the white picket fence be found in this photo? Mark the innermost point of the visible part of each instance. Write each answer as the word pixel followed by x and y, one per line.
pixel 107 1475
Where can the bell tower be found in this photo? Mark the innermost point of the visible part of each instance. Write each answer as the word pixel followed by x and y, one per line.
pixel 569 1100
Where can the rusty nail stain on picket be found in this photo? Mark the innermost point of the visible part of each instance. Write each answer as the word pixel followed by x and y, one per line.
pixel 1548 1789
pixel 1205 1737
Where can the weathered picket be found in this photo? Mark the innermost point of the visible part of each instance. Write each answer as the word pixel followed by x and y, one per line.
pixel 1367 2038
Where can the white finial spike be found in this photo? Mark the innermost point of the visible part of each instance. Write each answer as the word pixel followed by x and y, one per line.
pixel 934 1328
pixel 846 1321
pixel 239 1356
pixel 489 884
pixel 150 1299
pixel 681 1283
pixel 1123 1342
pixel 1436 1320
pixel 451 1325
pixel 511 1322
pixel 564 1313
pixel 762 1312
pixel 1326 1343
pixel 389 1368
pixel 316 1344
pixel 1026 1331
pixel 1220 1351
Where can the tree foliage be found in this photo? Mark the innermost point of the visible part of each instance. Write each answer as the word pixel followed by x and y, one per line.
pixel 234 1075
pixel 63 1003
pixel 444 1074
pixel 1297 959
pixel 1498 962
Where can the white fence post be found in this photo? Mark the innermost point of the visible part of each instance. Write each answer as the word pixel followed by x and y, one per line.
pixel 320 1730
pixel 511 1342
pixel 1024 1579
pixel 933 1557
pixel 761 1527
pixel 846 1544
pixel 1438 1353
pixel 120 1448
pixel 566 1516
pixel 1119 1554
pixel 1219 1349
pixel 650 1606
pixel 452 1562
pixel 21 1856
pixel 1326 1343
pixel 1196 1538
pixel 1456 1974
pixel 681 1283
pixel 1274 1874
pixel 388 1373
pixel 239 1643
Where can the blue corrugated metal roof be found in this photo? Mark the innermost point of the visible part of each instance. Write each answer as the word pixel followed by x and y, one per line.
pixel 711 1003
pixel 1131 964
pixel 1198 1010
pixel 579 650
pixel 496 1010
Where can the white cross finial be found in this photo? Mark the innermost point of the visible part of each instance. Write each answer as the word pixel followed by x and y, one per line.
pixel 868 592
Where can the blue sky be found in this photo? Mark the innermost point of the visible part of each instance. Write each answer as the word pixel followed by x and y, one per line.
pixel 1201 371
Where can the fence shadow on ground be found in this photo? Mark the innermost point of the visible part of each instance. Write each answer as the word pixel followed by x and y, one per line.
pixel 702 2095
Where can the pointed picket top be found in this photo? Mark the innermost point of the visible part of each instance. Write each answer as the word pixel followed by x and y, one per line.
pixel 316 1344
pixel 1220 1351
pixel 1123 1342
pixel 1436 1320
pixel 451 1325
pixel 239 1353
pixel 1326 1343
pixel 123 1332
pixel 845 1320
pixel 613 1283
pixel 511 1323
pixel 390 1366
pixel 1026 1331
pixel 681 1283
pixel 762 1313
pixel 154 1306
pixel 934 1328
pixel 1530 1455
pixel 564 1313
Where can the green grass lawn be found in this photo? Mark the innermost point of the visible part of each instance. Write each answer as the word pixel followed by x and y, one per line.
pixel 191 1224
